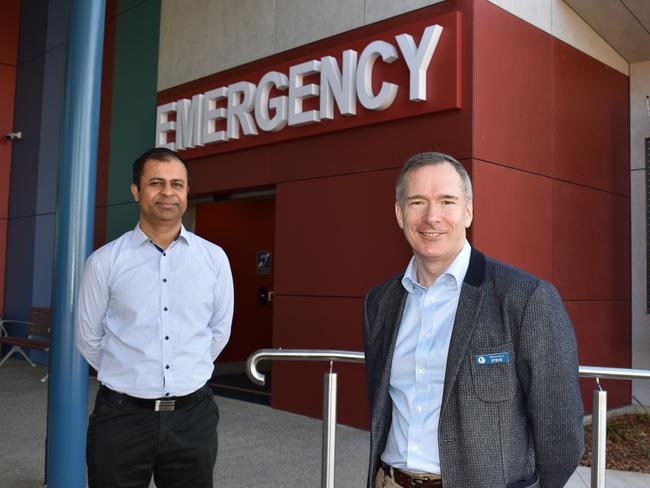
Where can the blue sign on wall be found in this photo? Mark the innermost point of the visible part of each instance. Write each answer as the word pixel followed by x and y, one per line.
pixel 263 262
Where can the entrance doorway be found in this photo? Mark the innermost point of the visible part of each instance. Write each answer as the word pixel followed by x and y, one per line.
pixel 244 228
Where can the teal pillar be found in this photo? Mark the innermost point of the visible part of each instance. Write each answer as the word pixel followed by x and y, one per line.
pixel 68 389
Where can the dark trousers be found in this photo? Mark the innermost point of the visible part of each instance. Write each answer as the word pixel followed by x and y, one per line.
pixel 128 444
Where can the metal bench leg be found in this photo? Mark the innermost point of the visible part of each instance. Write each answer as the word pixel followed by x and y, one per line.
pixel 17 349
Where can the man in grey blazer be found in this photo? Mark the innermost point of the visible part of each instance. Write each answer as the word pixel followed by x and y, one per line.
pixel 471 364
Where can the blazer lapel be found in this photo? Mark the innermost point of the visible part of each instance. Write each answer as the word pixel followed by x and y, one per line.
pixel 389 316
pixel 469 304
pixel 392 321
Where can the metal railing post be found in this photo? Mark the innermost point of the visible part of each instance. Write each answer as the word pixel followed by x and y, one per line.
pixel 598 437
pixel 329 429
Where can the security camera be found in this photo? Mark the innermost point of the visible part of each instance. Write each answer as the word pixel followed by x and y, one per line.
pixel 12 136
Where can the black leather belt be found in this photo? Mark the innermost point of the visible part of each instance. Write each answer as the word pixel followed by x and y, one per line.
pixel 407 481
pixel 168 404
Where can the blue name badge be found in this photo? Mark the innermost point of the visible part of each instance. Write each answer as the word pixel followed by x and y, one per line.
pixel 499 357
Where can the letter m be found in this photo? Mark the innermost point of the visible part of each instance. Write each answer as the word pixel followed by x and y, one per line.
pixel 188 122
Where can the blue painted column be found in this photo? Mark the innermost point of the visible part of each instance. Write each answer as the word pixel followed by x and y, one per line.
pixel 68 394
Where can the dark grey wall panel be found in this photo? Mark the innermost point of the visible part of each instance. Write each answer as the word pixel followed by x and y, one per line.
pixel 43 259
pixel 32 195
pixel 19 268
pixel 50 129
pixel 57 23
pixel 33 29
pixel 24 158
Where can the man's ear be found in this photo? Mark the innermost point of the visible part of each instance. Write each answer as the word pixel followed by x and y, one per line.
pixel 469 214
pixel 399 214
pixel 135 192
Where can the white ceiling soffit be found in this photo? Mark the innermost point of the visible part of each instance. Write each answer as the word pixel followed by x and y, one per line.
pixel 624 24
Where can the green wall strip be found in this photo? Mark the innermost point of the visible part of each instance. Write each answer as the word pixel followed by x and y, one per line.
pixel 133 110
pixel 119 219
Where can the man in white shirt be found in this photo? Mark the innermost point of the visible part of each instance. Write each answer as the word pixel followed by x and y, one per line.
pixel 154 311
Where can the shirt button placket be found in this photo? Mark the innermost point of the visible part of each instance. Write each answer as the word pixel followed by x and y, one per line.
pixel 164 316
pixel 420 353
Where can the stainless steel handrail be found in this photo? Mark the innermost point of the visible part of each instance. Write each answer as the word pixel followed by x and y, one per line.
pixel 299 355
pixel 599 414
pixel 613 373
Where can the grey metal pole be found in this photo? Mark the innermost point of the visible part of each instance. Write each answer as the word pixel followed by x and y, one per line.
pixel 329 429
pixel 598 437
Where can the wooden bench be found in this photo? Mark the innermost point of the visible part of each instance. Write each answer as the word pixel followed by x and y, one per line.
pixel 38 334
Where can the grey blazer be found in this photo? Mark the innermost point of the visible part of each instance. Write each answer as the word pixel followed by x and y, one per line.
pixel 500 423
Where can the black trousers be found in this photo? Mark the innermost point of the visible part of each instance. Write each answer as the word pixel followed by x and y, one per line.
pixel 128 444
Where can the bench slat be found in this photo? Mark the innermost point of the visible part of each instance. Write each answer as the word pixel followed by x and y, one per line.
pixel 25 342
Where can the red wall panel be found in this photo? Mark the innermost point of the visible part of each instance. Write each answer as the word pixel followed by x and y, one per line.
pixel 7 94
pixel 603 332
pixel 9 32
pixel 591 243
pixel 590 121
pixel 513 91
pixel 545 107
pixel 9 35
pixel 338 236
pixel 305 322
pixel 318 322
pixel 513 217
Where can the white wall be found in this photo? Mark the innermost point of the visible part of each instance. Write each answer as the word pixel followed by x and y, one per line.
pixel 202 37
pixel 639 130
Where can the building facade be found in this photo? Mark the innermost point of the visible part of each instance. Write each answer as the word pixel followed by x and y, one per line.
pixel 296 116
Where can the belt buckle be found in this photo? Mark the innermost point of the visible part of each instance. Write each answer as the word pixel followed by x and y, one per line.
pixel 415 482
pixel 165 405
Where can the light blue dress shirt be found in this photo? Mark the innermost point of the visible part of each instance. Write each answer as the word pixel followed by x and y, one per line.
pixel 150 322
pixel 417 372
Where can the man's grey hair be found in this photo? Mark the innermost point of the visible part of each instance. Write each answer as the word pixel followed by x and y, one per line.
pixel 432 159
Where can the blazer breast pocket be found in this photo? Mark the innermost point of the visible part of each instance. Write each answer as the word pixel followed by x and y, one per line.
pixel 493 373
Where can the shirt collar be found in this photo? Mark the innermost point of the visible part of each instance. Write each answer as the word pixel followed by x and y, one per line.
pixel 457 270
pixel 138 236
pixel 184 235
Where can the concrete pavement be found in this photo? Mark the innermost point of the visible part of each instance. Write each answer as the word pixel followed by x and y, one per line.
pixel 258 445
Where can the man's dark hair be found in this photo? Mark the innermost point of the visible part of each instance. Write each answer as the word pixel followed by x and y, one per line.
pixel 157 154
pixel 432 159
